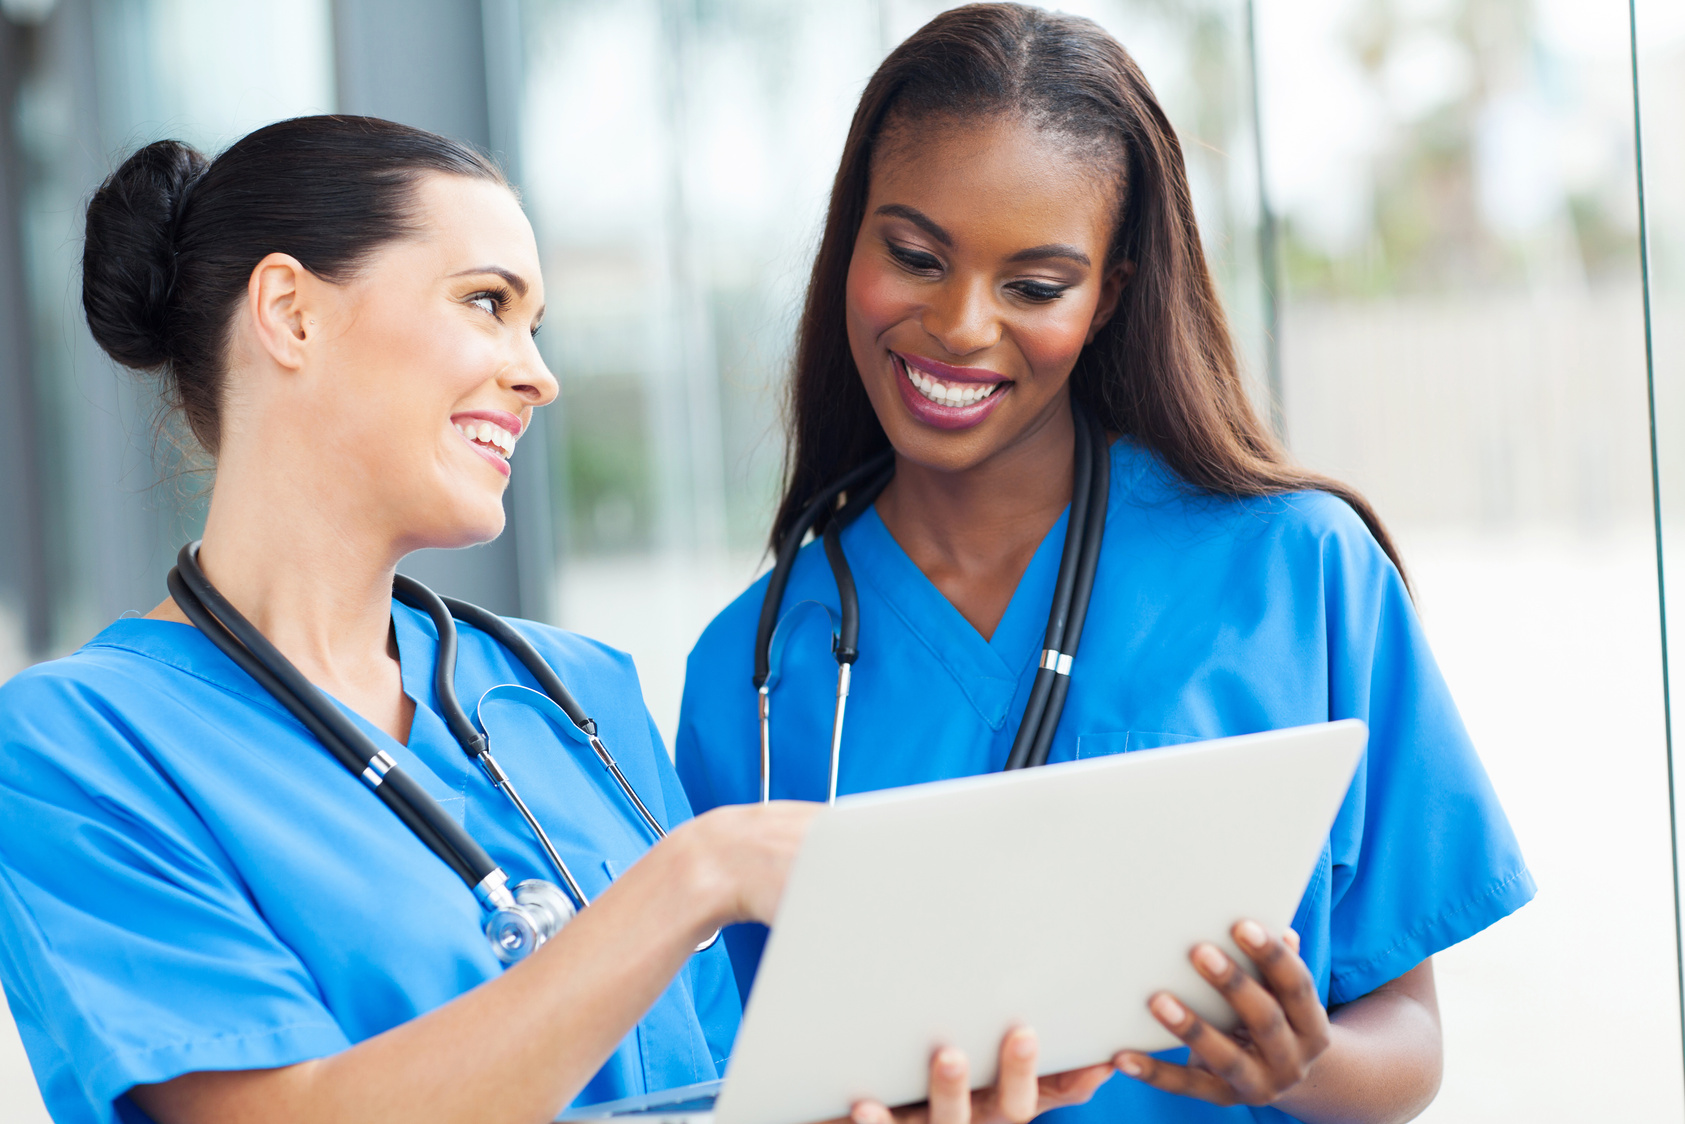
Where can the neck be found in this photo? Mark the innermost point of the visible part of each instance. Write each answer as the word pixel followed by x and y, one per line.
pixel 974 531
pixel 312 574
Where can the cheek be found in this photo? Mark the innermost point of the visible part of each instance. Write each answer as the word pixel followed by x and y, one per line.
pixel 877 298
pixel 421 367
pixel 1052 341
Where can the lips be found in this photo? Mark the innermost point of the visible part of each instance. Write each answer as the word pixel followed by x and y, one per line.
pixel 490 433
pixel 945 396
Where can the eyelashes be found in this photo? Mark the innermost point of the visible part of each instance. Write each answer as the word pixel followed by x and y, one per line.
pixel 1038 292
pixel 915 261
pixel 921 264
pixel 494 302
pixel 499 299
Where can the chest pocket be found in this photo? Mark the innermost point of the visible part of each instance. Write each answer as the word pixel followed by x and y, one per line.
pixel 1128 741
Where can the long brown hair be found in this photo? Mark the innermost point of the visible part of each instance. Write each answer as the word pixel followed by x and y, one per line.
pixel 1163 370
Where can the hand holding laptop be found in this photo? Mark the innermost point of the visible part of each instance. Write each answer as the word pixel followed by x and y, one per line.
pixel 1136 860
pixel 1286 1028
pixel 1016 1096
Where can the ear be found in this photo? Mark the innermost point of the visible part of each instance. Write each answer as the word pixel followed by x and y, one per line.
pixel 1111 291
pixel 279 298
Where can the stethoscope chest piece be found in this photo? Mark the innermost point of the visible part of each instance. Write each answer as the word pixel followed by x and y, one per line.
pixel 537 912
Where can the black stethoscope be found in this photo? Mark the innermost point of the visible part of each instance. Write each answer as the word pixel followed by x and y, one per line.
pixel 519 918
pixel 1083 534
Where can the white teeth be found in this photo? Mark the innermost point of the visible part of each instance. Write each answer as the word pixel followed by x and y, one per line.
pixel 486 433
pixel 959 394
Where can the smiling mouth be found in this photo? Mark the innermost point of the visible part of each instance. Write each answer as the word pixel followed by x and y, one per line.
pixel 489 437
pixel 954 395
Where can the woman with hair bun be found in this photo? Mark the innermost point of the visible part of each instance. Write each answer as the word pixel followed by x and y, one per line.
pixel 1010 297
pixel 203 917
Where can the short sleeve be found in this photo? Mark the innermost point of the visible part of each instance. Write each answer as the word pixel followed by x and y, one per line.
pixel 1422 854
pixel 130 951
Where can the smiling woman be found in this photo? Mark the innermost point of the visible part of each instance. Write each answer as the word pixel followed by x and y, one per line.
pixel 1011 256
pixel 205 917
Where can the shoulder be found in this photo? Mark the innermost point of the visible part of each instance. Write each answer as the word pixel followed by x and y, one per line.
pixel 1304 527
pixel 94 722
pixel 732 631
pixel 584 664
pixel 729 639
pixel 130 659
pixel 572 651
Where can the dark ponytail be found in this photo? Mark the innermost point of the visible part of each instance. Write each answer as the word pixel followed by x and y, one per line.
pixel 172 237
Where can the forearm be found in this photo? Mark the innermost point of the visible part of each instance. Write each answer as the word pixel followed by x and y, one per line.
pixel 1383 1061
pixel 515 1049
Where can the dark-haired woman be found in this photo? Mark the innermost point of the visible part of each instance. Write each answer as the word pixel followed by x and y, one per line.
pixel 1011 253
pixel 204 916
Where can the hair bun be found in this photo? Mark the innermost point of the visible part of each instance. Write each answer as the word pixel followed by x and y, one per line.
pixel 128 257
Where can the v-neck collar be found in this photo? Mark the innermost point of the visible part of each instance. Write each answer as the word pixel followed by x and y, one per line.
pixel 987 671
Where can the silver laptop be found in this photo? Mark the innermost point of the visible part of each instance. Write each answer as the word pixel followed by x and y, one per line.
pixel 1059 898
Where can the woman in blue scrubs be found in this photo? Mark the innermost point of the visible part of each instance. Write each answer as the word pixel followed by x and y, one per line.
pixel 1011 232
pixel 203 916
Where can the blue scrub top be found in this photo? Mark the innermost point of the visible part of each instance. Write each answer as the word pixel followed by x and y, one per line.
pixel 189 881
pixel 1210 617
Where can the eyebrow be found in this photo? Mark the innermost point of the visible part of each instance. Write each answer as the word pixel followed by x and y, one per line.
pixel 516 281
pixel 919 219
pixel 1052 250
pixel 1035 253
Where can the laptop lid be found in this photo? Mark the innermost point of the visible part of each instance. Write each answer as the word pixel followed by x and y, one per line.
pixel 1059 898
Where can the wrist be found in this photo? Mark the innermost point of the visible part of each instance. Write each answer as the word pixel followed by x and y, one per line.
pixel 703 891
pixel 1309 1100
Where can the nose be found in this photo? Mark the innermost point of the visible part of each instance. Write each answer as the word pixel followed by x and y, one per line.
pixel 530 378
pixel 962 317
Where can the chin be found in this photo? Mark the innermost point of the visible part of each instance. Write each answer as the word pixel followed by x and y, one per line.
pixel 472 525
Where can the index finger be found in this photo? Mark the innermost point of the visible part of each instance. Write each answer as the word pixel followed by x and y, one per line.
pixel 1286 976
pixel 950 1087
pixel 1016 1091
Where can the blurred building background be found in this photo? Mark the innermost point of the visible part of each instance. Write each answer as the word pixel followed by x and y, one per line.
pixel 1424 215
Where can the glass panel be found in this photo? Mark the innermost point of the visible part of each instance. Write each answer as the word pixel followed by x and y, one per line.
pixel 99 79
pixel 677 158
pixel 1462 338
pixel 1659 55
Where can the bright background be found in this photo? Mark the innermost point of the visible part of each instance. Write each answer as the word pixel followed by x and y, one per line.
pixel 1436 281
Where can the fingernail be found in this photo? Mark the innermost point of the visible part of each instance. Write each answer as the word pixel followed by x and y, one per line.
pixel 1167 1009
pixel 950 1062
pixel 1128 1063
pixel 1023 1043
pixel 1208 957
pixel 1251 934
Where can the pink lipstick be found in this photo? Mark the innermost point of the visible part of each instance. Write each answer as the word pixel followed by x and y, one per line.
pixel 946 396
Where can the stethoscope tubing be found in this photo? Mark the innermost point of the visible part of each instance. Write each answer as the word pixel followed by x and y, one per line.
pixel 1042 687
pixel 791 546
pixel 239 639
pixel 1073 589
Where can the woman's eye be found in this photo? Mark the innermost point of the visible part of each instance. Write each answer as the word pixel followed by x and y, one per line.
pixel 916 260
pixel 489 302
pixel 1038 291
